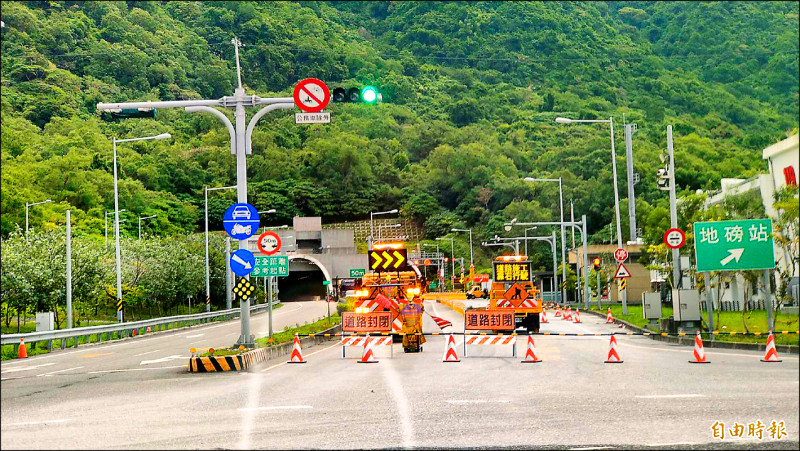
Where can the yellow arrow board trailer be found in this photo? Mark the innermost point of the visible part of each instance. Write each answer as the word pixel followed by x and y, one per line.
pixel 513 289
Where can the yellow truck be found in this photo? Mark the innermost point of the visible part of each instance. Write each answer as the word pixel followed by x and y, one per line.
pixel 477 292
pixel 513 288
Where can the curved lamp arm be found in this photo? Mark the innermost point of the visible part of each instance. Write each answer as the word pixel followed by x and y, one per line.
pixel 258 116
pixel 221 116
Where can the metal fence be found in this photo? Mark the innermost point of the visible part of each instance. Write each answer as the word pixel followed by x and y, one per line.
pixel 122 330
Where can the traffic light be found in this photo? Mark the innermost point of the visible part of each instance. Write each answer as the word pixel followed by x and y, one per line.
pixel 132 113
pixel 663 179
pixel 596 262
pixel 366 94
pixel 446 260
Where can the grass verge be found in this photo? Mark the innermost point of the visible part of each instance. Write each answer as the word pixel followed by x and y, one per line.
pixel 287 335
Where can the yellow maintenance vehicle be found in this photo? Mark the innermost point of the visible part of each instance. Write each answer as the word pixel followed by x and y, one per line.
pixel 513 289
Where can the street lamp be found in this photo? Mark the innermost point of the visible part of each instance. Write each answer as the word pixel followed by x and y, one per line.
pixel 208 282
pixel 140 223
pixel 563 236
pixel 452 254
pixel 371 231
pixel 510 224
pixel 526 236
pixel 471 264
pixel 116 213
pixel 26 211
pixel 106 218
pixel 387 227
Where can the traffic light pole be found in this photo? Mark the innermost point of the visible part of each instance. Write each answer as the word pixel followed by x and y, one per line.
pixel 240 134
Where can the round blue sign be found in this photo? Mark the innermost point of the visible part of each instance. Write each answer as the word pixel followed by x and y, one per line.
pixel 242 262
pixel 241 221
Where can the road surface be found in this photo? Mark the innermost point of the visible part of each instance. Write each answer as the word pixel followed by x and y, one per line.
pixel 655 399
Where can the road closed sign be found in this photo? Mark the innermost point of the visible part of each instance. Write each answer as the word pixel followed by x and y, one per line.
pixel 734 245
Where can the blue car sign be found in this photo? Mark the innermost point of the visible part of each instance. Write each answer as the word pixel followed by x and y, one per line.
pixel 242 262
pixel 241 221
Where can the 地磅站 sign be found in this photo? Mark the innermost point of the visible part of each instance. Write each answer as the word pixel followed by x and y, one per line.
pixel 735 245
pixel 277 265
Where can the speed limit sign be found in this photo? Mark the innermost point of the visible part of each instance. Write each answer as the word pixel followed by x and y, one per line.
pixel 620 255
pixel 674 238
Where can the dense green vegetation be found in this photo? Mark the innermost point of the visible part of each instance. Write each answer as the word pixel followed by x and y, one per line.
pixel 470 94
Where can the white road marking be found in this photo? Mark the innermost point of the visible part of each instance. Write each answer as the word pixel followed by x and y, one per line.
pixel 253 409
pixel 28 423
pixel 395 384
pixel 194 336
pixel 10 378
pixel 136 369
pixel 688 349
pixel 163 359
pixel 669 396
pixel 672 444
pixel 12 370
pixel 59 371
pixel 307 355
pixel 145 353
pixel 475 401
pixel 591 447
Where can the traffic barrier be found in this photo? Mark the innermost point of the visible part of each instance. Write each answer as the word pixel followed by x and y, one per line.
pixel 297 352
pixel 359 341
pixel 771 354
pixel 496 340
pixel 699 353
pixel 530 354
pixel 578 316
pixel 609 318
pixel 544 317
pixel 450 354
pixel 613 357
pixel 216 363
pixel 367 356
pixel 23 351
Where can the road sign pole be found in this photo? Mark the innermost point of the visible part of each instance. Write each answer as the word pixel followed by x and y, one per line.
pixel 116 234
pixel 268 281
pixel 228 303
pixel 555 268
pixel 69 271
pixel 768 300
pixel 599 293
pixel 586 295
pixel 709 304
pixel 673 211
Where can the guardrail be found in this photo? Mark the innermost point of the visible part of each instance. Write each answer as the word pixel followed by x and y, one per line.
pixel 122 330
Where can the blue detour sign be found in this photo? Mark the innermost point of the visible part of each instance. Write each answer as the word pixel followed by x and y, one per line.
pixel 242 262
pixel 241 221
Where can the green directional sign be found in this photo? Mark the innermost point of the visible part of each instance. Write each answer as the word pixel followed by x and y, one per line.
pixel 357 272
pixel 274 265
pixel 741 244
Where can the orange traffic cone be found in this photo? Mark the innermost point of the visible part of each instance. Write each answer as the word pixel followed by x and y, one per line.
pixel 609 318
pixel 149 330
pixel 771 355
pixel 450 354
pixel 23 352
pixel 613 357
pixel 558 311
pixel 134 332
pixel 568 317
pixel 297 352
pixel 530 355
pixel 699 353
pixel 544 317
pixel 578 315
pixel 367 356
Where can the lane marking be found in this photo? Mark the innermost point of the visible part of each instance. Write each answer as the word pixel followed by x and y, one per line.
pixel 145 353
pixel 194 336
pixel 688 351
pixel 253 409
pixel 11 378
pixel 94 356
pixel 59 371
pixel 13 370
pixel 315 352
pixel 591 447
pixel 136 369
pixel 163 359
pixel 398 394
pixel 28 423
pixel 476 401
pixel 671 444
pixel 670 396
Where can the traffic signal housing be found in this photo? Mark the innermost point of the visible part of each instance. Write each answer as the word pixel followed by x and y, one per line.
pixel 128 113
pixel 663 179
pixel 596 262
pixel 366 94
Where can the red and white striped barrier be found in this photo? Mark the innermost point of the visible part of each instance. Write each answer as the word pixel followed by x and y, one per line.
pixel 496 340
pixel 360 341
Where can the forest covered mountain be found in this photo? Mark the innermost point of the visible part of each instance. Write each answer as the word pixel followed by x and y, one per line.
pixel 470 92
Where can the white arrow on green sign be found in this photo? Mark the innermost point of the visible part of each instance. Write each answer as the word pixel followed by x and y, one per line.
pixel 736 245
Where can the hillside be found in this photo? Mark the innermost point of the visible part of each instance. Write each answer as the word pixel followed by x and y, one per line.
pixel 470 93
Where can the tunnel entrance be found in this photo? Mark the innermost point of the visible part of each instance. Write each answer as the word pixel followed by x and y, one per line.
pixel 304 282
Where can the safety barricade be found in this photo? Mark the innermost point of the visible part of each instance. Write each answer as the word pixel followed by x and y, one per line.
pixel 491 340
pixel 359 341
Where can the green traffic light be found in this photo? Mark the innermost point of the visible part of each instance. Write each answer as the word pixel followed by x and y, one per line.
pixel 369 94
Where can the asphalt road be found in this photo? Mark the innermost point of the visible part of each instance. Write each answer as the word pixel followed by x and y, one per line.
pixel 655 399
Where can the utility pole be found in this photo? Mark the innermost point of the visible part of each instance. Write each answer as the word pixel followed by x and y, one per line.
pixel 673 211
pixel 586 295
pixel 630 129
pixel 577 264
pixel 240 136
pixel 69 271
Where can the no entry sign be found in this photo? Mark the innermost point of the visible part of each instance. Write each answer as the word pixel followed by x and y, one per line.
pixel 674 238
pixel 311 95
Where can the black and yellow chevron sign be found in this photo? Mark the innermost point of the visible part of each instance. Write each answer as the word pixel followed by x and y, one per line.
pixel 622 284
pixel 243 289
pixel 388 259
pixel 119 305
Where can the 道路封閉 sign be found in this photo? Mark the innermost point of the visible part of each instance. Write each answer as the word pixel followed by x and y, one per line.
pixel 488 319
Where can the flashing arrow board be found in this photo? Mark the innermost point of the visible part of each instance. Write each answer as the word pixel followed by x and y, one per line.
pixel 734 245
pixel 357 272
pixel 242 262
pixel 388 260
pixel 271 266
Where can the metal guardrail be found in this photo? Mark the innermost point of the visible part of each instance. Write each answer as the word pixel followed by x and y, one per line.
pixel 122 329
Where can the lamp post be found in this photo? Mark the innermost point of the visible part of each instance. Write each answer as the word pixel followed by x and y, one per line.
pixel 471 262
pixel 116 214
pixel 208 276
pixel 140 223
pixel 26 211
pixel 452 254
pixel 106 218
pixel 371 231
pixel 392 226
pixel 563 239
pixel 526 237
